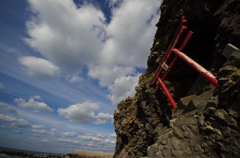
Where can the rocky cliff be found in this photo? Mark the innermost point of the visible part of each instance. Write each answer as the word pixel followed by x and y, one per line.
pixel 207 125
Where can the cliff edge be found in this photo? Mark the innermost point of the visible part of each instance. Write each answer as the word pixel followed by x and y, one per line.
pixel 207 125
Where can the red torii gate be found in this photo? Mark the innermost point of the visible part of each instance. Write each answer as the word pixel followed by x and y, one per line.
pixel 181 31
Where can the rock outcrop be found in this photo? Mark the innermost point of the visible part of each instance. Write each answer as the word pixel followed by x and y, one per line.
pixel 208 124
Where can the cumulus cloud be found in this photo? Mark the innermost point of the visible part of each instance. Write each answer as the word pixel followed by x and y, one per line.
pixel 128 46
pixel 84 113
pixel 14 121
pixel 7 108
pixel 69 134
pixel 89 138
pixel 75 78
pixel 66 34
pixel 88 141
pixel 21 123
pixel 103 118
pixel 32 104
pixel 101 136
pixel 122 88
pixel 107 141
pixel 98 142
pixel 107 75
pixel 7 118
pixel 39 131
pixel 55 132
pixel 105 136
pixel 52 132
pixel 81 113
pixel 131 31
pixel 44 140
pixel 39 68
pixel 1 85
pixel 73 37
pixel 113 135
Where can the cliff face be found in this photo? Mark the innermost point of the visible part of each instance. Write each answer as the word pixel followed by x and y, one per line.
pixel 208 126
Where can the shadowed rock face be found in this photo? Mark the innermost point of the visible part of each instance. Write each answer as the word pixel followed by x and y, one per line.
pixel 145 124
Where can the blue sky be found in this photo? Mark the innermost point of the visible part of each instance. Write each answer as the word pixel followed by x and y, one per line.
pixel 65 65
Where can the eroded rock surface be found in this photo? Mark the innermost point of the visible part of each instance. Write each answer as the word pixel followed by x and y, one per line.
pixel 209 126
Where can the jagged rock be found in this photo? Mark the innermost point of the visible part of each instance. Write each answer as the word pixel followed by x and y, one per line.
pixel 223 116
pixel 182 103
pixel 146 126
pixel 198 101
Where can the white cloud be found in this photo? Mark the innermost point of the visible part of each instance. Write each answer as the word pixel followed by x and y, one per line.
pixel 65 34
pixel 38 126
pixel 75 78
pixel 14 121
pixel 131 31
pixel 81 113
pixel 39 131
pixel 32 104
pixel 39 68
pixel 55 132
pixel 98 140
pixel 113 135
pixel 84 113
pixel 105 136
pixel 7 118
pixel 122 88
pixel 107 74
pixel 1 85
pixel 89 138
pixel 101 136
pixel 44 140
pixel 52 132
pixel 111 141
pixel 69 134
pixel 103 118
pixel 7 108
pixel 21 123
pixel 73 37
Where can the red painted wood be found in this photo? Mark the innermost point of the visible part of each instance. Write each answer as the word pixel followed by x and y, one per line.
pixel 210 77
pixel 179 33
pixel 167 93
